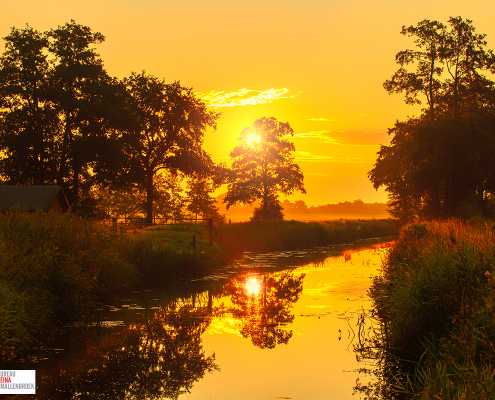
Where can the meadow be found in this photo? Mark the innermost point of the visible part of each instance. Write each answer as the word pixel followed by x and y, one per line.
pixel 436 301
pixel 62 268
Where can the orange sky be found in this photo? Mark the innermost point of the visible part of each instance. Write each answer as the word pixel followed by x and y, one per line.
pixel 318 64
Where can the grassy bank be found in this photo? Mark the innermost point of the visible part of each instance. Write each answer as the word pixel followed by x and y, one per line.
pixel 436 299
pixel 60 268
pixel 260 236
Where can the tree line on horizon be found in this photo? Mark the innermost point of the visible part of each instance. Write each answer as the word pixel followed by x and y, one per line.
pixel 441 164
pixel 125 146
pixel 341 209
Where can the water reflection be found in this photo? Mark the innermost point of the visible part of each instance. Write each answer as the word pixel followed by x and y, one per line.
pixel 166 347
pixel 263 304
pixel 159 359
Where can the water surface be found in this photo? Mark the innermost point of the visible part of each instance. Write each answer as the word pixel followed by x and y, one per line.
pixel 273 326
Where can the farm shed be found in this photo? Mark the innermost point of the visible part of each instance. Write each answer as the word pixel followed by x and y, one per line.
pixel 33 198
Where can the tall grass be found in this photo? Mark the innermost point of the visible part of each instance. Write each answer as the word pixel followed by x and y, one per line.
pixel 60 268
pixel 263 236
pixel 436 300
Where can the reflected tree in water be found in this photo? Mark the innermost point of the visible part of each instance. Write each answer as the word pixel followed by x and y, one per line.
pixel 160 359
pixel 266 310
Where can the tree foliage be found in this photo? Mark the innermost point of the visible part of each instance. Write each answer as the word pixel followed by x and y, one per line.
pixel 441 164
pixel 28 124
pixel 57 107
pixel 64 120
pixel 263 166
pixel 168 132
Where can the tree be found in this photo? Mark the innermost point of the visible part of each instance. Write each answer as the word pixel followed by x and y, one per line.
pixel 455 48
pixel 263 166
pixel 168 132
pixel 200 200
pixel 439 164
pixel 465 56
pixel 429 38
pixel 83 93
pixel 27 119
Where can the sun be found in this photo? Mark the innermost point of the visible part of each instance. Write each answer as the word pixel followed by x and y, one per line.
pixel 253 137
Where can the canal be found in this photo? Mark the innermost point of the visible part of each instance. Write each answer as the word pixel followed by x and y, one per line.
pixel 272 326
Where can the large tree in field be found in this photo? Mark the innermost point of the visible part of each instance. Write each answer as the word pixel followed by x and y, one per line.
pixel 263 167
pixel 168 132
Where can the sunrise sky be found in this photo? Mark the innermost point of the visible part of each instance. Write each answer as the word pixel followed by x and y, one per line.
pixel 318 64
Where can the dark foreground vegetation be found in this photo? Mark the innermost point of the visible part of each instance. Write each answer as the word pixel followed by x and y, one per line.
pixel 436 301
pixel 61 268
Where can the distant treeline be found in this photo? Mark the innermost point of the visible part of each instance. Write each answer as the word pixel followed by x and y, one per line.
pixel 355 208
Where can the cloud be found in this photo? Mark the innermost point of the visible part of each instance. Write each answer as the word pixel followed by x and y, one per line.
pixel 310 157
pixel 321 135
pixel 244 97
pixel 362 138
pixel 320 119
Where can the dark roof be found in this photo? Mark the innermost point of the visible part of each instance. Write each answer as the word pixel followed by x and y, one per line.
pixel 30 197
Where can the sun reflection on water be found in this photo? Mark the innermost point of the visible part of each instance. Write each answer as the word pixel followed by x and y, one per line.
pixel 253 286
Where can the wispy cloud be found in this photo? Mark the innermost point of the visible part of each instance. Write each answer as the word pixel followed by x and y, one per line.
pixel 321 135
pixel 320 119
pixel 361 138
pixel 310 157
pixel 244 97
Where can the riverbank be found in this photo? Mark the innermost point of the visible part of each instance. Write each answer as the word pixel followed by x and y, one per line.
pixel 264 236
pixel 61 268
pixel 436 301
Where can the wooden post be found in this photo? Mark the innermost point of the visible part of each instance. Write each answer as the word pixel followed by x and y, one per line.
pixel 194 242
pixel 114 223
pixel 210 229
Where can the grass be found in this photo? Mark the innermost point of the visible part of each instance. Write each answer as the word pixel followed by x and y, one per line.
pixel 261 236
pixel 436 299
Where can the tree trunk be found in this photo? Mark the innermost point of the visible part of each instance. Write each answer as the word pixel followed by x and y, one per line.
pixel 149 198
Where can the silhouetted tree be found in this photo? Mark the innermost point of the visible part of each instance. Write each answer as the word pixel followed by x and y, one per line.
pixel 82 91
pixel 440 164
pixel 28 122
pixel 168 134
pixel 263 166
pixel 429 37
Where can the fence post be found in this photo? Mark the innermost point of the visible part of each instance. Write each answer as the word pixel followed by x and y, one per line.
pixel 114 223
pixel 210 229
pixel 194 242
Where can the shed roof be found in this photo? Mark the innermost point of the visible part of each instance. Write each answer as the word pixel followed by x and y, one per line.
pixel 29 197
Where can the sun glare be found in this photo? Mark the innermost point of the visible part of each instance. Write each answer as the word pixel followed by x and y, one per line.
pixel 253 137
pixel 253 286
